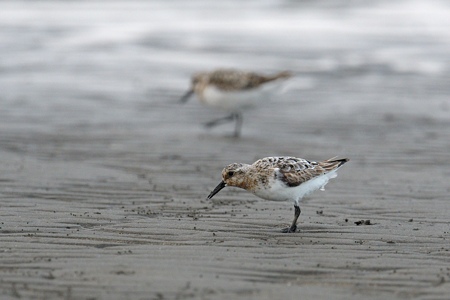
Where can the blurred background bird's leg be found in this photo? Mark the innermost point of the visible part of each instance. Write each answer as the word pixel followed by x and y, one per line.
pixel 238 117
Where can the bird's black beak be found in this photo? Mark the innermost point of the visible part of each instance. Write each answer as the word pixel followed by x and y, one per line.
pixel 186 96
pixel 220 186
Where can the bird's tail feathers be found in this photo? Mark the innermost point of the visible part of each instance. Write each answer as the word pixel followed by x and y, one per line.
pixel 333 163
pixel 282 75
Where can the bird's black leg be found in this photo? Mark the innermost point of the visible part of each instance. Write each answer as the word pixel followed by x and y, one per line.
pixel 220 121
pixel 293 227
pixel 237 129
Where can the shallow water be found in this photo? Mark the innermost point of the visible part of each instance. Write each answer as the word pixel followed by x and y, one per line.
pixel 81 54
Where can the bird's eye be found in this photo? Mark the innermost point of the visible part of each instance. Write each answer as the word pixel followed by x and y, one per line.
pixel 230 173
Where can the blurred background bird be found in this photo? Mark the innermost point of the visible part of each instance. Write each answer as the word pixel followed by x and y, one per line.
pixel 234 91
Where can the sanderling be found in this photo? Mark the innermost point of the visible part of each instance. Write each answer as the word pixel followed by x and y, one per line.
pixel 233 91
pixel 280 179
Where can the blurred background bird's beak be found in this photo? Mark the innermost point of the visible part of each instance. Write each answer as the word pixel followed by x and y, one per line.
pixel 186 96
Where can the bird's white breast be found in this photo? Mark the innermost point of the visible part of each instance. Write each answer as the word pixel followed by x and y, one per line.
pixel 238 100
pixel 276 190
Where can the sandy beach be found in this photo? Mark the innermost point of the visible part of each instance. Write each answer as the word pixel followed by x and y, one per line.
pixel 104 175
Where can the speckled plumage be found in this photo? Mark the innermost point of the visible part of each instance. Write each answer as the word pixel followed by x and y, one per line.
pixel 233 80
pixel 280 178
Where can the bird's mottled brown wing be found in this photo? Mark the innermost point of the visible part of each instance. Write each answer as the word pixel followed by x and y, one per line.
pixel 231 80
pixel 294 171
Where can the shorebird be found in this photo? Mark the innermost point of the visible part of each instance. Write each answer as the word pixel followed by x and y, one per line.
pixel 280 179
pixel 233 91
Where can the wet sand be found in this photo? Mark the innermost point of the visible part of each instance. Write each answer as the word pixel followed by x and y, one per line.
pixel 92 212
pixel 103 190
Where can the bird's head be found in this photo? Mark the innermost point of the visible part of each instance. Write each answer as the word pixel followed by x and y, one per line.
pixel 232 175
pixel 199 81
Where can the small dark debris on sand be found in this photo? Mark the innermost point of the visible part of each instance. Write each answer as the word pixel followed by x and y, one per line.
pixel 363 222
pixel 319 212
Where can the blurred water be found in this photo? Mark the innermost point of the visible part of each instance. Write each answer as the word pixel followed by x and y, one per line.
pixel 107 61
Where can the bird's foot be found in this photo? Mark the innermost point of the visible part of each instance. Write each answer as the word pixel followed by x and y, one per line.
pixel 289 229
